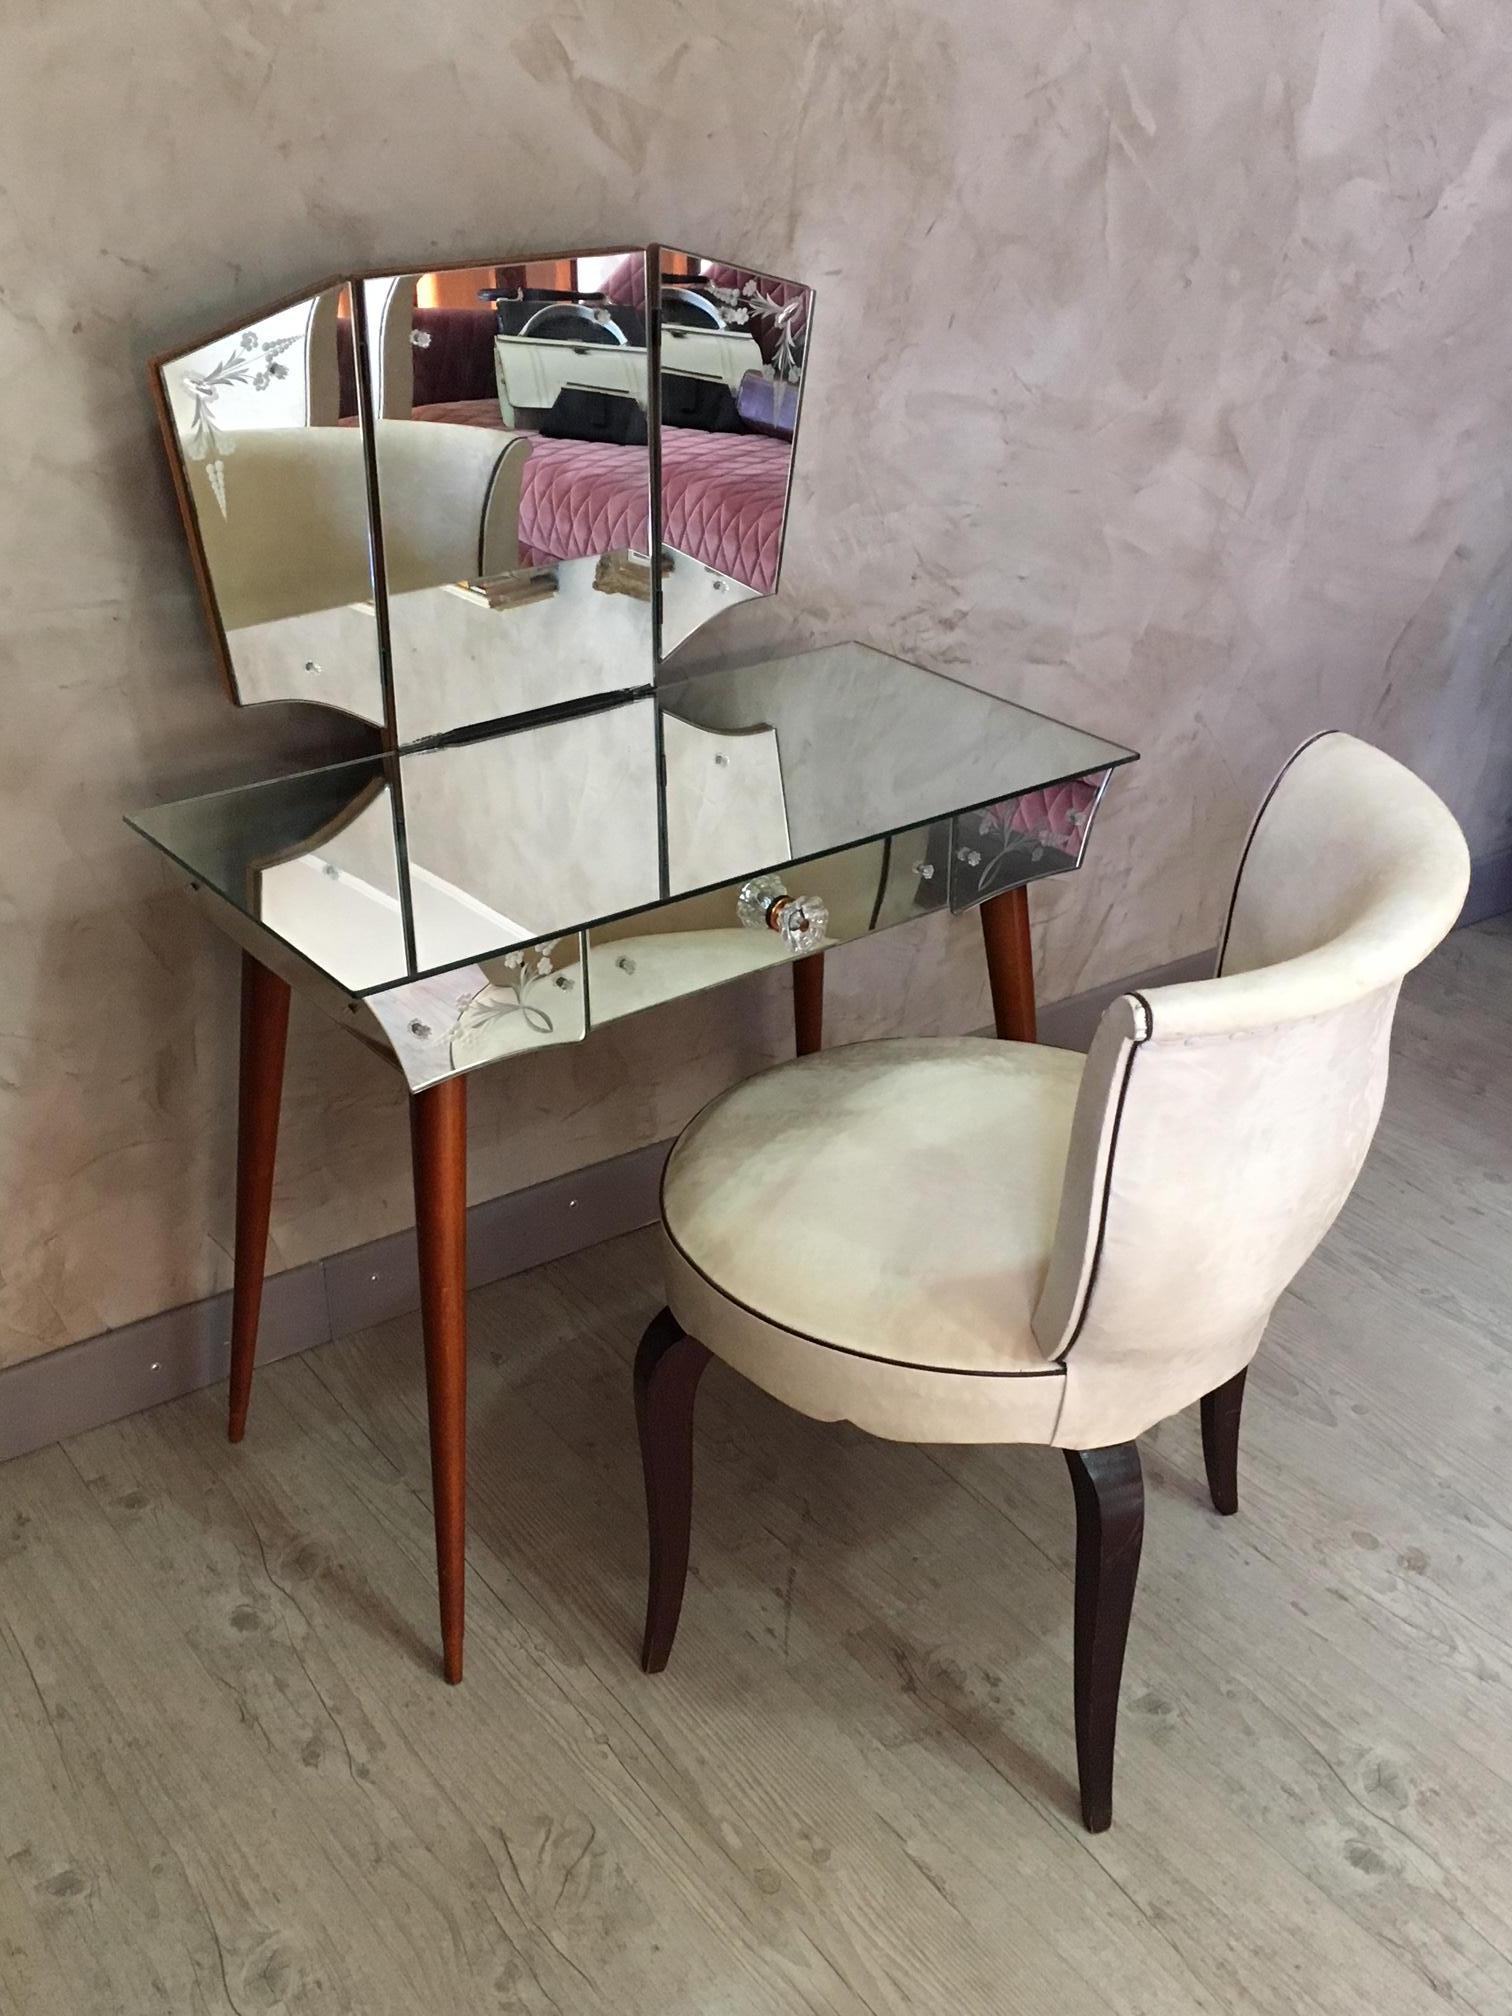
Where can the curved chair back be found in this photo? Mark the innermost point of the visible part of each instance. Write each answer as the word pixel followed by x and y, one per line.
pixel 1221 1123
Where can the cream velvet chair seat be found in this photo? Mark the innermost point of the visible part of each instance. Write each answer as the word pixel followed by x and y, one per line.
pixel 906 1195
pixel 969 1241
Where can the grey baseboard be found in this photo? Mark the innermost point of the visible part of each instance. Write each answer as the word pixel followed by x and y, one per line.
pixel 1490 892
pixel 143 1364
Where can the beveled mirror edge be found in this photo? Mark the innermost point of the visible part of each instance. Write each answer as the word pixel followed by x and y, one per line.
pixel 652 280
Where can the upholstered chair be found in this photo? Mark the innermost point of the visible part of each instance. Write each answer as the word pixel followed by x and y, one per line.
pixel 976 1241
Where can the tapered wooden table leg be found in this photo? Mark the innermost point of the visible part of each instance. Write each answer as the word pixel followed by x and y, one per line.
pixel 808 1004
pixel 1010 964
pixel 264 1041
pixel 438 1130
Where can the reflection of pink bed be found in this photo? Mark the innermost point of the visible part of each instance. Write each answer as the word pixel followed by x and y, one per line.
pixel 1055 817
pixel 723 495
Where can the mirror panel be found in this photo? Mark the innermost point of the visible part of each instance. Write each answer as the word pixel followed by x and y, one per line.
pixel 270 460
pixel 445 477
pixel 514 485
pixel 731 360
pixel 523 835
pixel 726 803
pixel 845 743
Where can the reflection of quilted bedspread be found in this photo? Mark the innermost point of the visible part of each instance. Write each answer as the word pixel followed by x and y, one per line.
pixel 580 498
pixel 724 496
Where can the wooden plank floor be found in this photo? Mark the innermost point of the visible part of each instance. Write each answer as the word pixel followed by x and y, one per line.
pixel 231 1782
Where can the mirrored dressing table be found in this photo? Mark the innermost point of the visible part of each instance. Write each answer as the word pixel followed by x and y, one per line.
pixel 557 826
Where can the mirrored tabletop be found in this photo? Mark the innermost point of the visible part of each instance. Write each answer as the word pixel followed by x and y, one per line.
pixel 386 870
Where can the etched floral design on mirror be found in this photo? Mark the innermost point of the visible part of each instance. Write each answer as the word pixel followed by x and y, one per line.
pixel 475 1014
pixel 731 360
pixel 1020 839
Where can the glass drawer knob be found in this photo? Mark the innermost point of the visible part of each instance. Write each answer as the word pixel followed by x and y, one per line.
pixel 800 921
pixel 924 870
pixel 753 904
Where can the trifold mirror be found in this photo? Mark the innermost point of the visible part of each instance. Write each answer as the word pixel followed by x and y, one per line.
pixel 432 499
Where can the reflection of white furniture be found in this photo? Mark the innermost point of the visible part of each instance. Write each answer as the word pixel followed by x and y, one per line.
pixel 532 370
pixel 543 826
pixel 725 802
pixel 390 306
pixel 693 593
pixel 968 1241
pixel 285 541
pixel 629 974
pixel 723 356
pixel 460 657
pixel 292 535
pixel 343 893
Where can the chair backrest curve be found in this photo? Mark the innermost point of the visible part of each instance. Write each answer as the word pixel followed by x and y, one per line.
pixel 1222 1123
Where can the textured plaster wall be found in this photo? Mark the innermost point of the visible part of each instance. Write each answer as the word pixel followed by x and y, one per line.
pixel 1163 378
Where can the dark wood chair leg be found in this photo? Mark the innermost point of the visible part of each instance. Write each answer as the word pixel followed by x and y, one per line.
pixel 668 1367
pixel 1220 1440
pixel 1010 964
pixel 808 1004
pixel 438 1131
pixel 264 1041
pixel 1109 1488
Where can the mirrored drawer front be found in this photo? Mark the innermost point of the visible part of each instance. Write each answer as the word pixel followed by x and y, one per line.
pixel 1020 839
pixel 765 920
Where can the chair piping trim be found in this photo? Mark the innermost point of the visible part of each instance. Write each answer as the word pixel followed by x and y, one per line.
pixel 1255 824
